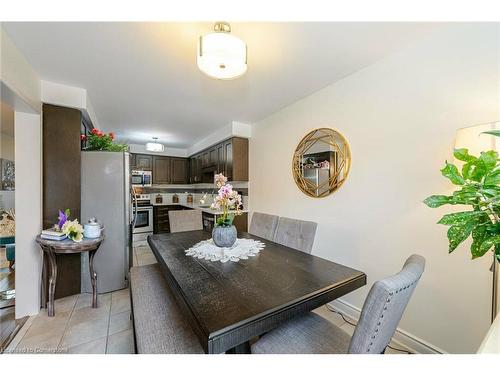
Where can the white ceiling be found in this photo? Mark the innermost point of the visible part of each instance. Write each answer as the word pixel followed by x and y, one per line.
pixel 143 80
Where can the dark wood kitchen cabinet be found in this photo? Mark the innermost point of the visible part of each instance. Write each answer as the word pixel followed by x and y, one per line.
pixel 178 171
pixel 195 168
pixel 236 158
pixel 161 222
pixel 229 157
pixel 161 170
pixel 143 162
pixel 212 157
pixel 221 158
pixel 170 170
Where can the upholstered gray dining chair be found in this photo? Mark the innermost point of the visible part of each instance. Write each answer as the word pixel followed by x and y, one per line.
pixel 185 220
pixel 380 316
pixel 263 225
pixel 297 234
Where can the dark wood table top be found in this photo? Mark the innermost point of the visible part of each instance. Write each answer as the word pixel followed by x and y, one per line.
pixel 229 303
pixel 68 246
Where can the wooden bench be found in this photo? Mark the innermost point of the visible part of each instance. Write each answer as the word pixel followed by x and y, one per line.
pixel 159 326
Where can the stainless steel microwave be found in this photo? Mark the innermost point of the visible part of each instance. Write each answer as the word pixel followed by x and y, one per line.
pixel 142 178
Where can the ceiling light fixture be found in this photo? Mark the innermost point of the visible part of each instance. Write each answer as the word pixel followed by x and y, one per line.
pixel 222 55
pixel 155 146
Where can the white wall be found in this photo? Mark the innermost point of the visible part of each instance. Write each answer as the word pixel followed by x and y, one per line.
pixel 69 96
pixel 234 129
pixel 400 116
pixel 28 212
pixel 20 88
pixel 17 74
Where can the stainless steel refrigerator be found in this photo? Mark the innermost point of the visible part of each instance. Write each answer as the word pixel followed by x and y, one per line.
pixel 106 196
pixel 319 177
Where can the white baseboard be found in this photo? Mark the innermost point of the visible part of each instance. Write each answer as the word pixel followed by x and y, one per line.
pixel 408 341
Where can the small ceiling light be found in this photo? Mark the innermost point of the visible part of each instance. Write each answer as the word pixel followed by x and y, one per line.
pixel 222 55
pixel 155 146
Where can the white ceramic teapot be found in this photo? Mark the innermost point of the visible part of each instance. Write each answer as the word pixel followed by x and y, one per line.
pixel 92 229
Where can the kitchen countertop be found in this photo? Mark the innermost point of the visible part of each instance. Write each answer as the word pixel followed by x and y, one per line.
pixel 195 206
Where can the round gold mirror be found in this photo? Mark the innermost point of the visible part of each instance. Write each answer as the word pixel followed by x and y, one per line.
pixel 321 162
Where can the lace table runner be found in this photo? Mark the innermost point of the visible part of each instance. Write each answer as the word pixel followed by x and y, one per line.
pixel 242 249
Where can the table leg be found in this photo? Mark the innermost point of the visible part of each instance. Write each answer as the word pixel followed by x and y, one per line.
pixel 241 349
pixel 93 278
pixel 52 282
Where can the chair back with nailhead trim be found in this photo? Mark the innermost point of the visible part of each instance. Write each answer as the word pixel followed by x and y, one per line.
pixel 297 234
pixel 384 307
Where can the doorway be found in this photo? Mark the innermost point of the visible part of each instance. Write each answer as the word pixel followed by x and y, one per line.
pixel 7 224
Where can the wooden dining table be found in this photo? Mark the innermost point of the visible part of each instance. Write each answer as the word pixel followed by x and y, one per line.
pixel 228 304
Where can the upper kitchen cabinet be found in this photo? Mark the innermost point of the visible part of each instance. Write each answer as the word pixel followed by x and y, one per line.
pixel 178 171
pixel 170 170
pixel 161 170
pixel 236 159
pixel 132 161
pixel 229 157
pixel 142 162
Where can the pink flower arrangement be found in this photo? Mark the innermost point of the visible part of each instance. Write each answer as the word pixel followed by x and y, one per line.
pixel 227 199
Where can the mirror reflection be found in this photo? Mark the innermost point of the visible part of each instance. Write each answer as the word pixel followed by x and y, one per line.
pixel 321 162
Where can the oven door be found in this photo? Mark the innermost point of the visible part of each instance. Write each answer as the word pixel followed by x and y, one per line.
pixel 144 220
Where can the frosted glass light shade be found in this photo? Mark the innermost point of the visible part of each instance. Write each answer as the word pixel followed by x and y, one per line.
pixel 155 147
pixel 472 139
pixel 222 55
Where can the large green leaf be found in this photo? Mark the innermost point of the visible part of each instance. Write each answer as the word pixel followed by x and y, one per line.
pixel 493 229
pixel 496 133
pixel 463 155
pixel 491 191
pixel 489 242
pixel 459 218
pixel 437 200
pixel 478 236
pixel 497 252
pixel 489 159
pixel 466 195
pixel 458 234
pixel 451 172
pixel 474 170
pixel 493 178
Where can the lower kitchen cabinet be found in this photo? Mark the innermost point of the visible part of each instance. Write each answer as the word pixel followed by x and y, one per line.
pixel 161 222
pixel 240 222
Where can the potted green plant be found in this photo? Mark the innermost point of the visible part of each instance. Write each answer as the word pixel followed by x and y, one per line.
pixel 100 141
pixel 478 188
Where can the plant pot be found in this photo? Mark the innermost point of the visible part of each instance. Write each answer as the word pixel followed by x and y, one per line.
pixel 224 236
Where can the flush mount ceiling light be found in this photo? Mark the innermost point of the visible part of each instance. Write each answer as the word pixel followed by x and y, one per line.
pixel 222 55
pixel 155 146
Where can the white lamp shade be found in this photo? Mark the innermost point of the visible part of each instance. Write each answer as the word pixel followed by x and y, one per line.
pixel 155 147
pixel 222 55
pixel 472 139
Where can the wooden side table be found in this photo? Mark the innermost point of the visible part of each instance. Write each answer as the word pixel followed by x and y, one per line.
pixel 67 246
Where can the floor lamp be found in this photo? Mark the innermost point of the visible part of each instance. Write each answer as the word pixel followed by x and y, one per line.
pixel 472 139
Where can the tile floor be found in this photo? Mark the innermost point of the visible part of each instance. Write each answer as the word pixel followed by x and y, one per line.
pixel 78 328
